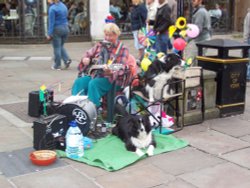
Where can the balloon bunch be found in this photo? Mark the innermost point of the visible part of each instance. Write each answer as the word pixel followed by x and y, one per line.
pixel 182 33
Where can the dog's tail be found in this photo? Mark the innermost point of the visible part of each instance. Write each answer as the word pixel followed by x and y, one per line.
pixel 120 112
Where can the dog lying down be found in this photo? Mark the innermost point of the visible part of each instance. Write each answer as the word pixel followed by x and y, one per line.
pixel 135 131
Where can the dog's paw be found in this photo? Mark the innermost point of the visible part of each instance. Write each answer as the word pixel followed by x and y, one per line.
pixel 150 150
pixel 139 152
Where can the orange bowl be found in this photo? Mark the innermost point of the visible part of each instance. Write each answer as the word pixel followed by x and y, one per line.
pixel 43 157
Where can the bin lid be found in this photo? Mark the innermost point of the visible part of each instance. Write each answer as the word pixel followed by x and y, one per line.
pixel 223 43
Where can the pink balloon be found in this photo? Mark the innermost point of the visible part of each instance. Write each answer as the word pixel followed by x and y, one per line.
pixel 179 44
pixel 192 30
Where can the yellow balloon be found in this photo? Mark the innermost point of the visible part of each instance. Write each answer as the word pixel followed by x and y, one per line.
pixel 183 33
pixel 171 31
pixel 145 64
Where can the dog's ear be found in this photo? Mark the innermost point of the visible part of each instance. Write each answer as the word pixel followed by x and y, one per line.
pixel 172 60
pixel 133 125
pixel 151 83
pixel 146 123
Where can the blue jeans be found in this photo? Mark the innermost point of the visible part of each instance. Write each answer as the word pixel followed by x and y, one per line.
pixel 161 43
pixel 248 67
pixel 60 35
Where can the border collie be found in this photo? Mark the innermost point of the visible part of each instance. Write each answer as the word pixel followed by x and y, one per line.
pixel 159 73
pixel 135 131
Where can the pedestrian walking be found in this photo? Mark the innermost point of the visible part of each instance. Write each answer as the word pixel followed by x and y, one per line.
pixel 246 36
pixel 161 25
pixel 58 32
pixel 201 18
pixel 152 9
pixel 138 21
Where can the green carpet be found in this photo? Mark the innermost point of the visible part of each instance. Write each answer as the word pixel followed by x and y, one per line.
pixel 110 153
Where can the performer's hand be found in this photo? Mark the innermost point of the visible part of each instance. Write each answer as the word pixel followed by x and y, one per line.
pixel 107 71
pixel 85 60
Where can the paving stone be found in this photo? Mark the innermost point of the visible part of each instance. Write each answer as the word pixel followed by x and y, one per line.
pixel 19 110
pixel 193 129
pixel 4 182
pixel 225 175
pixel 240 157
pixel 185 160
pixel 39 58
pixel 245 138
pixel 13 65
pixel 233 126
pixel 177 183
pixel 64 177
pixel 91 171
pixel 145 176
pixel 12 138
pixel 214 142
pixel 13 58
pixel 16 163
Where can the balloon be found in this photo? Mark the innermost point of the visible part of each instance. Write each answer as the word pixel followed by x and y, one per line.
pixel 183 33
pixel 145 64
pixel 171 31
pixel 179 44
pixel 192 30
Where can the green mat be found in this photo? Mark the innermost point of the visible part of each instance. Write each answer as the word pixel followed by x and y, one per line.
pixel 110 153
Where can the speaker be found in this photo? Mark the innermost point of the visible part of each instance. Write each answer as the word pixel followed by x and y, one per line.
pixel 35 107
pixel 49 132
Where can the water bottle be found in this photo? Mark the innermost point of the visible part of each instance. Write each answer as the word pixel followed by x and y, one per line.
pixel 74 141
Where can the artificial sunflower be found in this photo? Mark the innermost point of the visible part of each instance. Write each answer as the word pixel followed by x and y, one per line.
pixel 181 23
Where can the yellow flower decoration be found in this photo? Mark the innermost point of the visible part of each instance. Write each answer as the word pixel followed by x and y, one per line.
pixel 171 31
pixel 189 61
pixel 43 88
pixel 181 23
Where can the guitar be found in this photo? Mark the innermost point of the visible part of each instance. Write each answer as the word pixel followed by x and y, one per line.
pixel 112 67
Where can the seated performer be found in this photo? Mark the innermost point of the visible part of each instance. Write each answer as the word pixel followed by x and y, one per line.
pixel 110 54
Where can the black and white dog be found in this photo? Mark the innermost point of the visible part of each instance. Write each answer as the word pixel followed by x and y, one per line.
pixel 160 73
pixel 135 131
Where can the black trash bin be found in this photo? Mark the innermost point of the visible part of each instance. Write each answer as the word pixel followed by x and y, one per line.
pixel 231 72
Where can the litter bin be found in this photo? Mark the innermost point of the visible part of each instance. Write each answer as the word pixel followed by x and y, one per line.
pixel 229 60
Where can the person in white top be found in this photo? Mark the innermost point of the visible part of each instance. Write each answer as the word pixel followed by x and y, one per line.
pixel 217 13
pixel 152 8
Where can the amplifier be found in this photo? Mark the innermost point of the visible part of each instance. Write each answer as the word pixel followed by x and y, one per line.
pixel 49 132
pixel 35 107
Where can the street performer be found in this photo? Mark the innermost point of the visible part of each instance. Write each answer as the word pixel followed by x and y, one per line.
pixel 94 80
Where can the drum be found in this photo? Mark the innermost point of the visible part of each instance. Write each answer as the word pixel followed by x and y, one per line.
pixel 76 113
pixel 90 108
pixel 86 105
